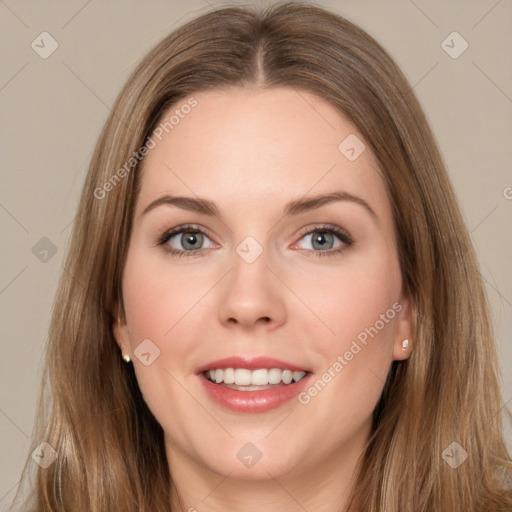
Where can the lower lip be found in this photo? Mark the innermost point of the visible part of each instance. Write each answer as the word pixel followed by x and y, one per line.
pixel 253 401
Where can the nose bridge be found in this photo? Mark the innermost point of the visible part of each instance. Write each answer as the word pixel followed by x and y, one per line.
pixel 251 291
pixel 250 274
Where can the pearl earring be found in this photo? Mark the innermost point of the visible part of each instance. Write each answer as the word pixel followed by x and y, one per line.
pixel 404 344
pixel 126 358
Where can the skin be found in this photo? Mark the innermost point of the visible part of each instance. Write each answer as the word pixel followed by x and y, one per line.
pixel 251 151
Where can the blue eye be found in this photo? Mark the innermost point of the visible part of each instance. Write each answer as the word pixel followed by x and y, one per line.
pixel 323 238
pixel 191 240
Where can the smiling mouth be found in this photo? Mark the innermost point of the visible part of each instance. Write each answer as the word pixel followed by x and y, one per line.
pixel 242 379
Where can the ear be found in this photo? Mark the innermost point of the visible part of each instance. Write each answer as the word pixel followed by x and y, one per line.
pixel 403 328
pixel 120 330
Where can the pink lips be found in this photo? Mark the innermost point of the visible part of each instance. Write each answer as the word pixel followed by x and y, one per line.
pixel 251 364
pixel 252 401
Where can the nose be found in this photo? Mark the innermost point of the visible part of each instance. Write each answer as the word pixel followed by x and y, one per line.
pixel 252 295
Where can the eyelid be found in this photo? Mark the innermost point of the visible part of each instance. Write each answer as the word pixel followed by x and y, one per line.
pixel 337 230
pixel 342 234
pixel 169 233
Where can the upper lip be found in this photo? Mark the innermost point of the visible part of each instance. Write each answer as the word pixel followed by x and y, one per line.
pixel 251 363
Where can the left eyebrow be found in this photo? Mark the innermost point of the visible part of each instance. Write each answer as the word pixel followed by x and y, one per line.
pixel 313 202
pixel 295 207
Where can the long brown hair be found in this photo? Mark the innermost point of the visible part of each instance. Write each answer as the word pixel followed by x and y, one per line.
pixel 110 447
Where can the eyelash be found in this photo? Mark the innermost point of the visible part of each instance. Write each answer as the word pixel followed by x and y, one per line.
pixel 342 235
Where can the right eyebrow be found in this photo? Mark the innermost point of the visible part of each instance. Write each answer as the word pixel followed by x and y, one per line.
pixel 198 205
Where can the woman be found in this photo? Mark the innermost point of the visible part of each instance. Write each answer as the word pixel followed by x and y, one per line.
pixel 234 368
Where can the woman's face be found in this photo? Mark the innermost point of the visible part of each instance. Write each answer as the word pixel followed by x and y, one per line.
pixel 267 272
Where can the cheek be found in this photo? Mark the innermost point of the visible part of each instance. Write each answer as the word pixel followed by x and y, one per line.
pixel 350 298
pixel 157 299
pixel 156 305
pixel 163 304
pixel 359 308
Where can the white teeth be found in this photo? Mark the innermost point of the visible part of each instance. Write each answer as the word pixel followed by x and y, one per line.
pixel 274 376
pixel 287 376
pixel 229 376
pixel 242 377
pixel 298 375
pixel 259 377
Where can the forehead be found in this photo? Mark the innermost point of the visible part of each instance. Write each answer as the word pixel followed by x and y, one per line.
pixel 266 145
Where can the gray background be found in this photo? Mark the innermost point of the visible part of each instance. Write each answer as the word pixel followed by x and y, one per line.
pixel 53 110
